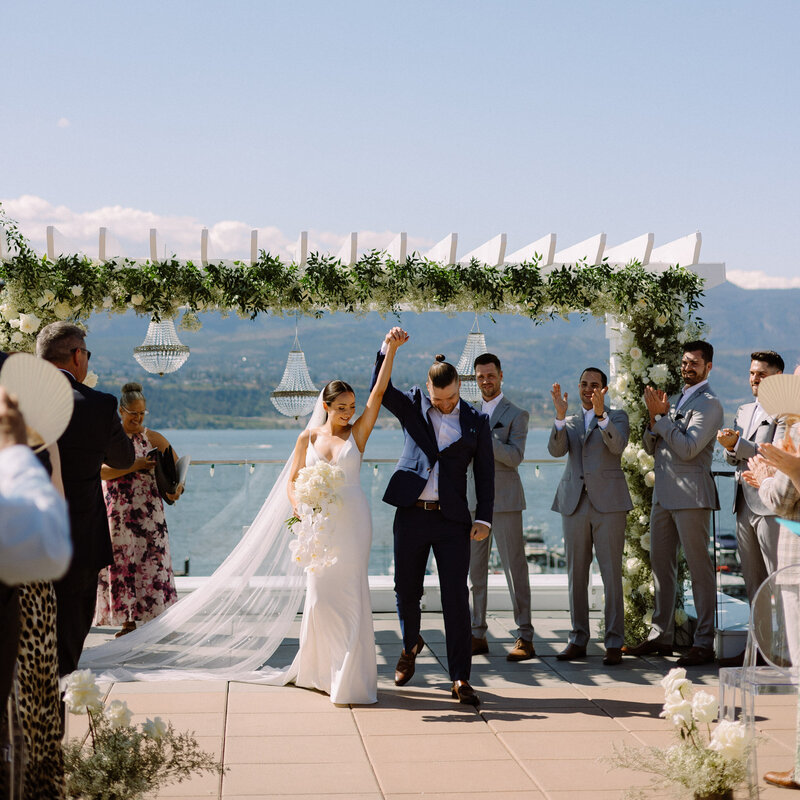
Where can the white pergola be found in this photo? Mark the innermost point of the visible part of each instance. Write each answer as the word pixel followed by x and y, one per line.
pixel 684 251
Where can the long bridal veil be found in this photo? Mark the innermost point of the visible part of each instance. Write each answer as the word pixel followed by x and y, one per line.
pixel 229 626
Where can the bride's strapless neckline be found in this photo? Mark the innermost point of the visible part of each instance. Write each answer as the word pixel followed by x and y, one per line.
pixel 332 461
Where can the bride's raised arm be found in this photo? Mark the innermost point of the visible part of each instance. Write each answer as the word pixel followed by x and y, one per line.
pixel 363 426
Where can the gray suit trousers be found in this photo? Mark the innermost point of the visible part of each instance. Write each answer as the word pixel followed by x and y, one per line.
pixel 507 532
pixel 585 528
pixel 757 539
pixel 689 528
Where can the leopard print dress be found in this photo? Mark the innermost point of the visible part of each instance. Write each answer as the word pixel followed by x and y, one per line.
pixel 39 697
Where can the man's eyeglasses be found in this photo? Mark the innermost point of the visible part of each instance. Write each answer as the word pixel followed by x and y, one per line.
pixel 134 413
pixel 88 352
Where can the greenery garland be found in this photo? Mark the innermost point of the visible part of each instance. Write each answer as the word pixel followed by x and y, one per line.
pixel 655 313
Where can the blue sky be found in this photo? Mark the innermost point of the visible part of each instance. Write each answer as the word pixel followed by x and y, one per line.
pixel 429 117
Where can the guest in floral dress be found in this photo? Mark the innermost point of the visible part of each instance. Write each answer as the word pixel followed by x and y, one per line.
pixel 139 585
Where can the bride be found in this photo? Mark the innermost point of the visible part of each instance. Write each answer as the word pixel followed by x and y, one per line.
pixel 229 627
pixel 337 642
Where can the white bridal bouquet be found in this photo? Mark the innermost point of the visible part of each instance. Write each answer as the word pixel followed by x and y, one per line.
pixel 702 763
pixel 316 491
pixel 117 761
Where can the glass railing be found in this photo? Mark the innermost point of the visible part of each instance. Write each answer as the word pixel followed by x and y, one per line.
pixel 223 497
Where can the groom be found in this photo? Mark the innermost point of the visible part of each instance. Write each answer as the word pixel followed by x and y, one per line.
pixel 443 434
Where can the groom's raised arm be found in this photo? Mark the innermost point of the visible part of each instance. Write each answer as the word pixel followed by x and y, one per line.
pixel 393 399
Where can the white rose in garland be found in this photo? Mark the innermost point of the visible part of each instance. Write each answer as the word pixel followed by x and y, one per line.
pixel 29 323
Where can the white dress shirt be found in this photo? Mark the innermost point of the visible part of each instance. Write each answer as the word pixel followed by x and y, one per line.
pixel 488 406
pixel 34 527
pixel 447 428
pixel 687 393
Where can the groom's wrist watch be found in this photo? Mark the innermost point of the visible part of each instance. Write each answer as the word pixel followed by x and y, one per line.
pixel 657 417
pixel 603 417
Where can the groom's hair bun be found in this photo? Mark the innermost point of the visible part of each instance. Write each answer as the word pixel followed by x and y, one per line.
pixel 442 374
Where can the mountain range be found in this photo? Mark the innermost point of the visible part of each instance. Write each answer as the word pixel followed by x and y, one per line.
pixel 235 363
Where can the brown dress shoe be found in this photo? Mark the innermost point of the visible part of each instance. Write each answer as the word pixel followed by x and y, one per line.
pixel 613 656
pixel 523 650
pixel 738 661
pixel 571 651
pixel 647 648
pixel 479 646
pixel 696 656
pixel 783 779
pixel 404 670
pixel 464 693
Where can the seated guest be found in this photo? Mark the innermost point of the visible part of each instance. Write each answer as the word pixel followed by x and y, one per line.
pixel 139 585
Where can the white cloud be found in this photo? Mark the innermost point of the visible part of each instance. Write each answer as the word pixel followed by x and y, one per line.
pixel 63 122
pixel 78 231
pixel 757 279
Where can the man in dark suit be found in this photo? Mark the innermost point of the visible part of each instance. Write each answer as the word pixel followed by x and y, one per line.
pixel 681 436
pixel 509 428
pixel 93 437
pixel 593 501
pixel 443 434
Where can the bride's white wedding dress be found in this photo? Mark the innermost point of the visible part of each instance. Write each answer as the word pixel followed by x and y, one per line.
pixel 337 641
pixel 233 623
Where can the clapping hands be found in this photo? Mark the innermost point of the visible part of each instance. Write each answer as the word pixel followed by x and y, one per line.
pixel 656 401
pixel 560 401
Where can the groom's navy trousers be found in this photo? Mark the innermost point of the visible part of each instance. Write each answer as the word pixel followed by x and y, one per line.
pixel 445 530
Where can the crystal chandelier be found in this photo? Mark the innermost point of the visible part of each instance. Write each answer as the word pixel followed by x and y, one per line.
pixel 296 395
pixel 475 346
pixel 161 351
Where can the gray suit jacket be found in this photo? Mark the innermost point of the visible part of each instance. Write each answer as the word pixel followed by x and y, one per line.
pixel 509 427
pixel 594 462
pixel 682 443
pixel 749 438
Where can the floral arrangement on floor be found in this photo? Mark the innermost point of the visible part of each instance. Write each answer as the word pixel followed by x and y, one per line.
pixel 705 763
pixel 316 491
pixel 117 761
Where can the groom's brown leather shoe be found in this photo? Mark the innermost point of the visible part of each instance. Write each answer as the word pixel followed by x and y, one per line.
pixel 571 651
pixel 783 779
pixel 647 648
pixel 464 693
pixel 404 670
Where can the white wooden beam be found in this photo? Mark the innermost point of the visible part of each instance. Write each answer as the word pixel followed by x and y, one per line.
pixel 544 247
pixel 637 249
pixel 589 250
pixel 51 242
pixel 301 249
pixel 153 245
pixel 684 251
pixel 204 247
pixel 253 246
pixel 349 251
pixel 444 252
pixel 398 248
pixel 492 252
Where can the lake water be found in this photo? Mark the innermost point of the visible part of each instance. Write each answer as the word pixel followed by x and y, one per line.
pixel 208 521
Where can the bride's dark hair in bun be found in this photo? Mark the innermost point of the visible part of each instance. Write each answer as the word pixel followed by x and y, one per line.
pixel 442 374
pixel 333 389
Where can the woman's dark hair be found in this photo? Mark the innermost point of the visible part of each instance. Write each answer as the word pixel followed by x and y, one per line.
pixel 131 392
pixel 441 374
pixel 333 389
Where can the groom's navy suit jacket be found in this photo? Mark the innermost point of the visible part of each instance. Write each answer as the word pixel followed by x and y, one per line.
pixel 421 452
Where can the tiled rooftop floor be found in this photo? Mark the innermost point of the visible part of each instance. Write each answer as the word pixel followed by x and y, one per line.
pixel 539 731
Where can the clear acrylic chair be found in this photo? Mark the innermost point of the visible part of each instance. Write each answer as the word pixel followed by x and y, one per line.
pixel 774 631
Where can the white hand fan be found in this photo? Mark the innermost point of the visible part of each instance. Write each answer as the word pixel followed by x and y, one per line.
pixel 780 395
pixel 44 394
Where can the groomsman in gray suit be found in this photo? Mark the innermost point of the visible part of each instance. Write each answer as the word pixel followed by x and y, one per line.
pixel 593 501
pixel 509 427
pixel 681 436
pixel 757 529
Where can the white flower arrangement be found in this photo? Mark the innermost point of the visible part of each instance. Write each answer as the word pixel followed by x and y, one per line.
pixel 118 762
pixel 703 763
pixel 316 492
